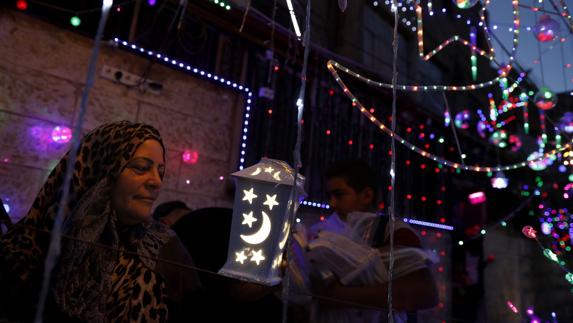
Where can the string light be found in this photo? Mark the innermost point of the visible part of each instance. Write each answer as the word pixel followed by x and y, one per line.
pixel 457 38
pixel 222 4
pixel 293 18
pixel 75 21
pixel 22 5
pixel 458 166
pixel 206 75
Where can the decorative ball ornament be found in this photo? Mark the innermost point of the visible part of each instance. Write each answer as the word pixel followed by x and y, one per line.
pixel 546 29
pixel 537 162
pixel 61 134
pixel 465 4
pixel 545 99
pixel 499 138
pixel 529 232
pixel 463 119
pixel 499 181
pixel 566 123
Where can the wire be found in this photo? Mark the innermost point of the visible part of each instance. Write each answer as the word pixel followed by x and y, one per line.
pixel 54 249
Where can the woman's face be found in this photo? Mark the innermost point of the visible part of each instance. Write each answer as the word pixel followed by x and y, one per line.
pixel 138 185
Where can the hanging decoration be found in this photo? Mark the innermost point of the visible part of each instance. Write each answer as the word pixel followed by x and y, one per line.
pixel 545 99
pixel 260 225
pixel 463 119
pixel 537 161
pixel 546 29
pixel 465 4
pixel 365 111
pixel 333 65
pixel 499 181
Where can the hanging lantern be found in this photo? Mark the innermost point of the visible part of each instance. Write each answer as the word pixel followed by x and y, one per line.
pixel 545 99
pixel 499 181
pixel 546 29
pixel 465 4
pixel 260 226
pixel 566 123
pixel 537 162
pixel 190 156
pixel 463 119
pixel 499 138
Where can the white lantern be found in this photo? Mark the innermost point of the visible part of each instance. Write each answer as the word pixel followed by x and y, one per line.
pixel 260 227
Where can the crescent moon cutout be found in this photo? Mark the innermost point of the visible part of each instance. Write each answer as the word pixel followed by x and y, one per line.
pixel 276 176
pixel 256 172
pixel 260 235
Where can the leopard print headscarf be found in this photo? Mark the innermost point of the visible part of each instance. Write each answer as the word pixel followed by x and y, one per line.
pixel 86 272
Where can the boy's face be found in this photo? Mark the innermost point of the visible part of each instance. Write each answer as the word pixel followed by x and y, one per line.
pixel 343 199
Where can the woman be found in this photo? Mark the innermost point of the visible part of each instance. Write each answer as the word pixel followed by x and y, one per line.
pixel 116 263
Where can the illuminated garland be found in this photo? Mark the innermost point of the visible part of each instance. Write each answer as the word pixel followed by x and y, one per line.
pixel 424 153
pixel 206 75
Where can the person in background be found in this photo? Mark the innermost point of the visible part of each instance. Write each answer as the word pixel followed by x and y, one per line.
pixel 116 264
pixel 170 212
pixel 353 228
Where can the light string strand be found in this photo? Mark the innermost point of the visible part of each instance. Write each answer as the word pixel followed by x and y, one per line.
pixel 392 206
pixel 475 168
pixel 297 163
pixel 54 248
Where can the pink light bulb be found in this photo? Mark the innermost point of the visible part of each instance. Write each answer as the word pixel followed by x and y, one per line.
pixel 61 134
pixel 190 156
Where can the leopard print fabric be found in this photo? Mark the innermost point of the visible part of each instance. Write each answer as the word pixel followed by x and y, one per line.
pixel 135 287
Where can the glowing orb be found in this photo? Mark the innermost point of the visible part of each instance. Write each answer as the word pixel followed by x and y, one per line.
pixel 545 99
pixel 537 162
pixel 499 181
pixel 463 119
pixel 546 29
pixel 190 157
pixel 529 232
pixel 465 4
pixel 499 138
pixel 61 134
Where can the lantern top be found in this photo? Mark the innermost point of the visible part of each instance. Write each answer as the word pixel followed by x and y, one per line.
pixel 271 171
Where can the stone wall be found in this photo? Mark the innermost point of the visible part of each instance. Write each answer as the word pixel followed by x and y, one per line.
pixel 42 77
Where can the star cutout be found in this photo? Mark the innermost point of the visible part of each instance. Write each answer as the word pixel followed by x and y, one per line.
pixel 271 201
pixel 241 257
pixel 269 170
pixel 248 219
pixel 249 195
pixel 257 256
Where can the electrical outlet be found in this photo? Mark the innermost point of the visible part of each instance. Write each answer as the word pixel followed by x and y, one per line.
pixel 131 80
